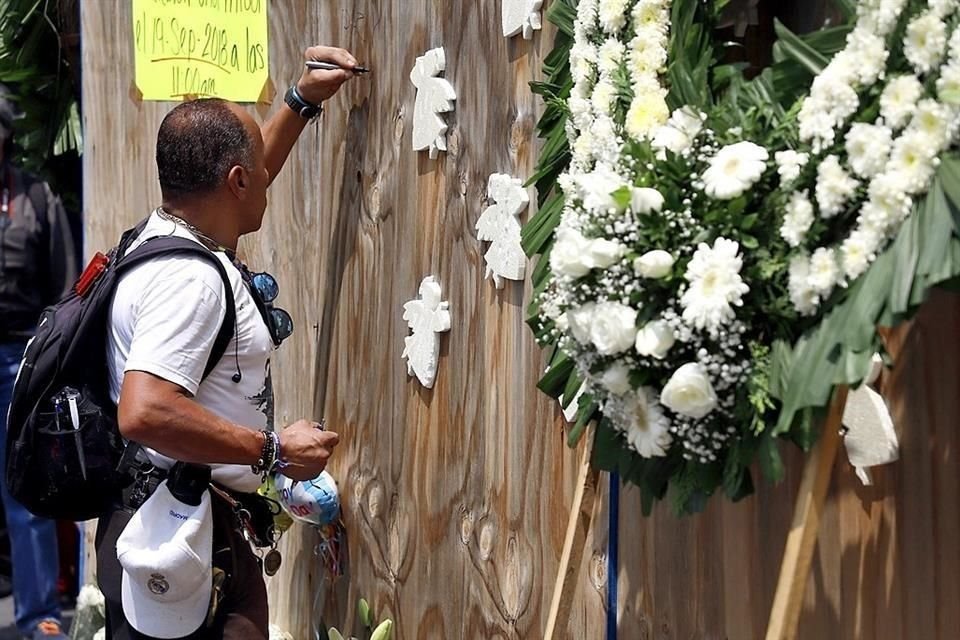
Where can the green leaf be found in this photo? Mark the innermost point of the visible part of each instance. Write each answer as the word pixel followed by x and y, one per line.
pixel 771 464
pixel 363 611
pixel 791 46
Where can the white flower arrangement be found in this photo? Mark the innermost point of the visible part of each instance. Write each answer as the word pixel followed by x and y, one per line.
pixel 895 156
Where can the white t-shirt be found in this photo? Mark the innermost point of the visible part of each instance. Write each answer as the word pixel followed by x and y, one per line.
pixel 164 320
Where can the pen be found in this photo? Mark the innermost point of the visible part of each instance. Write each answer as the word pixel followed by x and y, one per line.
pixel 331 66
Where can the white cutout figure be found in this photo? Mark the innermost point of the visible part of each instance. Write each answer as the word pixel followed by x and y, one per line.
pixel 870 439
pixel 434 96
pixel 498 225
pixel 426 317
pixel 520 15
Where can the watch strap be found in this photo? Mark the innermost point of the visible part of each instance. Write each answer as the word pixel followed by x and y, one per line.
pixel 300 106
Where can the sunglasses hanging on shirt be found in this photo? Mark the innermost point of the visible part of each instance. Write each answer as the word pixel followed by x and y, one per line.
pixel 265 290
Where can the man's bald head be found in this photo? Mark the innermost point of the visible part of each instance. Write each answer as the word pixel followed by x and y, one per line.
pixel 197 145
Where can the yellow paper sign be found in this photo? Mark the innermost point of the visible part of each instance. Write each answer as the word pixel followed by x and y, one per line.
pixel 200 48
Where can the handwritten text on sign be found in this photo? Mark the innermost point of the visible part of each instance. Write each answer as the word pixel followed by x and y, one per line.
pixel 200 48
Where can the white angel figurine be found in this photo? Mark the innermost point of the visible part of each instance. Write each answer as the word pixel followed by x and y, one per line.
pixel 434 96
pixel 498 224
pixel 426 317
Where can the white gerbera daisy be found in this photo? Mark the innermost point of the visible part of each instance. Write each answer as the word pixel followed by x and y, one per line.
pixel 798 218
pixel 925 42
pixel 734 169
pixel 640 418
pixel 899 99
pixel 715 285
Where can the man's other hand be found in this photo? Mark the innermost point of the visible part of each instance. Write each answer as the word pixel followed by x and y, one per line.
pixel 317 85
pixel 306 448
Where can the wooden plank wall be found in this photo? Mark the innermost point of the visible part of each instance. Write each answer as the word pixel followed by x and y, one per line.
pixel 456 498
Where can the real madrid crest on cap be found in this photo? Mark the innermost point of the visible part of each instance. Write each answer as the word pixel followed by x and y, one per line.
pixel 158 584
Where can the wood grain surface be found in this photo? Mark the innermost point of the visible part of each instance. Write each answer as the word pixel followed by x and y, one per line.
pixel 456 498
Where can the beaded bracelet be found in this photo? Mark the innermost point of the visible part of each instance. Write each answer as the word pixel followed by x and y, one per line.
pixel 269 455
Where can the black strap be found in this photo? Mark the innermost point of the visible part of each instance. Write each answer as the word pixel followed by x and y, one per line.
pixel 164 246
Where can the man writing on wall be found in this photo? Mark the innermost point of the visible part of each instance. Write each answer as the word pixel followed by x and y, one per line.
pixel 214 165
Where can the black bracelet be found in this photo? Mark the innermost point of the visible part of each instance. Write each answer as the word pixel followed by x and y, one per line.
pixel 268 454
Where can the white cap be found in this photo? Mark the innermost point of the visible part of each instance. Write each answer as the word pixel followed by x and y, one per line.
pixel 166 552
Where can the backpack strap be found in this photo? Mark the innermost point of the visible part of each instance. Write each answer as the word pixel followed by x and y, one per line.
pixel 164 246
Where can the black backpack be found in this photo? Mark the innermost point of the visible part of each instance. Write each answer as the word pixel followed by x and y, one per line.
pixel 63 443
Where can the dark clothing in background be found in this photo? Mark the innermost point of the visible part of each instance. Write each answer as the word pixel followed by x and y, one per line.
pixel 38 255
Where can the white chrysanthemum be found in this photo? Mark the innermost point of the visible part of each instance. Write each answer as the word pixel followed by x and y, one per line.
pixel 868 147
pixel 899 99
pixel 816 122
pixel 612 15
pixel 834 186
pixel 789 164
pixel 586 18
pixel 943 8
pixel 583 149
pixel 581 111
pixel 715 285
pixel 912 162
pixel 948 84
pixel 804 298
pixel 925 42
pixel 597 186
pixel 610 55
pixel 606 142
pixel 647 112
pixel 640 418
pixel 832 100
pixel 824 271
pixel 880 16
pixel 734 169
pixel 604 93
pixel 646 58
pixel 887 205
pixel 583 59
pixel 680 131
pixel 798 218
pixel 858 251
pixel 650 14
pixel 870 52
pixel 937 123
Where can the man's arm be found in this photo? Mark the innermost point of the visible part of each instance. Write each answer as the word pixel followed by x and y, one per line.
pixel 281 131
pixel 161 415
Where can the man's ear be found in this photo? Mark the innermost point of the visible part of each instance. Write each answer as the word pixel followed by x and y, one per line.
pixel 238 180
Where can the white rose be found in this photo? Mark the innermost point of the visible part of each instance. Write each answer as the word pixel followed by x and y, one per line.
pixel 617 379
pixel 689 392
pixel 579 321
pixel 653 264
pixel 613 327
pixel 570 254
pixel 645 200
pixel 603 253
pixel 655 339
